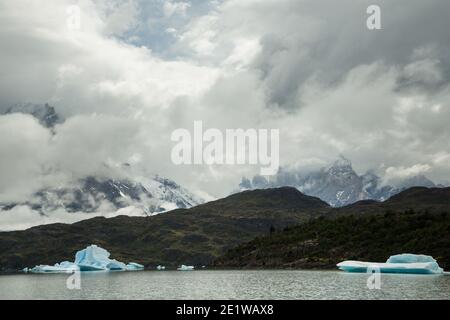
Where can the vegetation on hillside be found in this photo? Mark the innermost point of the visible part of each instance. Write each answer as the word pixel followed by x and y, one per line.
pixel 323 242
pixel 198 236
pixel 193 236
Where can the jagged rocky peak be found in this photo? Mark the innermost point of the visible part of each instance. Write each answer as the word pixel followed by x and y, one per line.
pixel 342 165
pixel 45 113
pixel 337 184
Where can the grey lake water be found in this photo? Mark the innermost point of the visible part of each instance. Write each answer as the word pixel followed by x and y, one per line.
pixel 204 284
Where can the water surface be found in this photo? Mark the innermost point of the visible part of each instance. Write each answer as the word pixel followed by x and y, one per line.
pixel 267 284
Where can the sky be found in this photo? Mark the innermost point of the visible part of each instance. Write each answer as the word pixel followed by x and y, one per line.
pixel 132 72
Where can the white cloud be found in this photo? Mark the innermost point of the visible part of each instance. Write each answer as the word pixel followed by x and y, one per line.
pixel 120 16
pixel 407 172
pixel 23 217
pixel 24 144
pixel 309 68
pixel 170 8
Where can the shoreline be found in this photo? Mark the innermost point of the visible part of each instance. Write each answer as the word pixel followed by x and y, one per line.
pixel 4 273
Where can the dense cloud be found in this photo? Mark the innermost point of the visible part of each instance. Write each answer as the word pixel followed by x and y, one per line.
pixel 137 70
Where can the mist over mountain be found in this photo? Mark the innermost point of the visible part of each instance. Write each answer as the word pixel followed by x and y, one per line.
pixel 196 236
pixel 95 194
pixel 45 113
pixel 285 228
pixel 122 189
pixel 338 184
pixel 125 191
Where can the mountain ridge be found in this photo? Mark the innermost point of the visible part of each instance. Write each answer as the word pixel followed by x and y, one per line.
pixel 338 184
pixel 94 194
pixel 190 236
pixel 202 234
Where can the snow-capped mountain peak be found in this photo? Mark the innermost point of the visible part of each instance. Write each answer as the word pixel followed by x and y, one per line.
pixel 92 194
pixel 337 184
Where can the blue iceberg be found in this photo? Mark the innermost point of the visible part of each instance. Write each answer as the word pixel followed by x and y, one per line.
pixel 401 263
pixel 93 258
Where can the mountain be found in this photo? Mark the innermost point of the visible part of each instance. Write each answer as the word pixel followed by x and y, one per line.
pixel 191 236
pixel 284 198
pixel 416 220
pixel 45 113
pixel 339 185
pixel 428 200
pixel 323 243
pixel 93 194
pixel 260 228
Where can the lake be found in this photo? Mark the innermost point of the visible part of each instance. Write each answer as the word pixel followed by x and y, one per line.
pixel 237 284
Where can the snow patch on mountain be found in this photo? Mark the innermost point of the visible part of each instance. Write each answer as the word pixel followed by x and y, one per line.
pixel 338 184
pixel 121 190
pixel 91 197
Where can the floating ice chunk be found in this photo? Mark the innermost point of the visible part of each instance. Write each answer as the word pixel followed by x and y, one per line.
pixel 410 258
pixel 63 267
pixel 160 268
pixel 402 263
pixel 93 258
pixel 133 266
pixel 185 268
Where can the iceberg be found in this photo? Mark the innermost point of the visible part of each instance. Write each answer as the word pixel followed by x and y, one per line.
pixel 133 266
pixel 401 263
pixel 93 258
pixel 410 258
pixel 185 268
pixel 63 267
pixel 160 268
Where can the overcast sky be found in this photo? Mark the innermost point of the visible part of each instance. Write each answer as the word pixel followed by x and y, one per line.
pixel 137 70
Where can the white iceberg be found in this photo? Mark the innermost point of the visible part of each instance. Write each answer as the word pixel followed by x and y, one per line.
pixel 401 263
pixel 93 258
pixel 63 267
pixel 161 268
pixel 185 268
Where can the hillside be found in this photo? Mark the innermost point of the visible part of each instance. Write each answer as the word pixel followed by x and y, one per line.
pixel 323 243
pixel 432 200
pixel 191 236
pixel 239 231
pixel 416 221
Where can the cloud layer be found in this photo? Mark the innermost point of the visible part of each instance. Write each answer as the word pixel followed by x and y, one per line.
pixel 136 70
